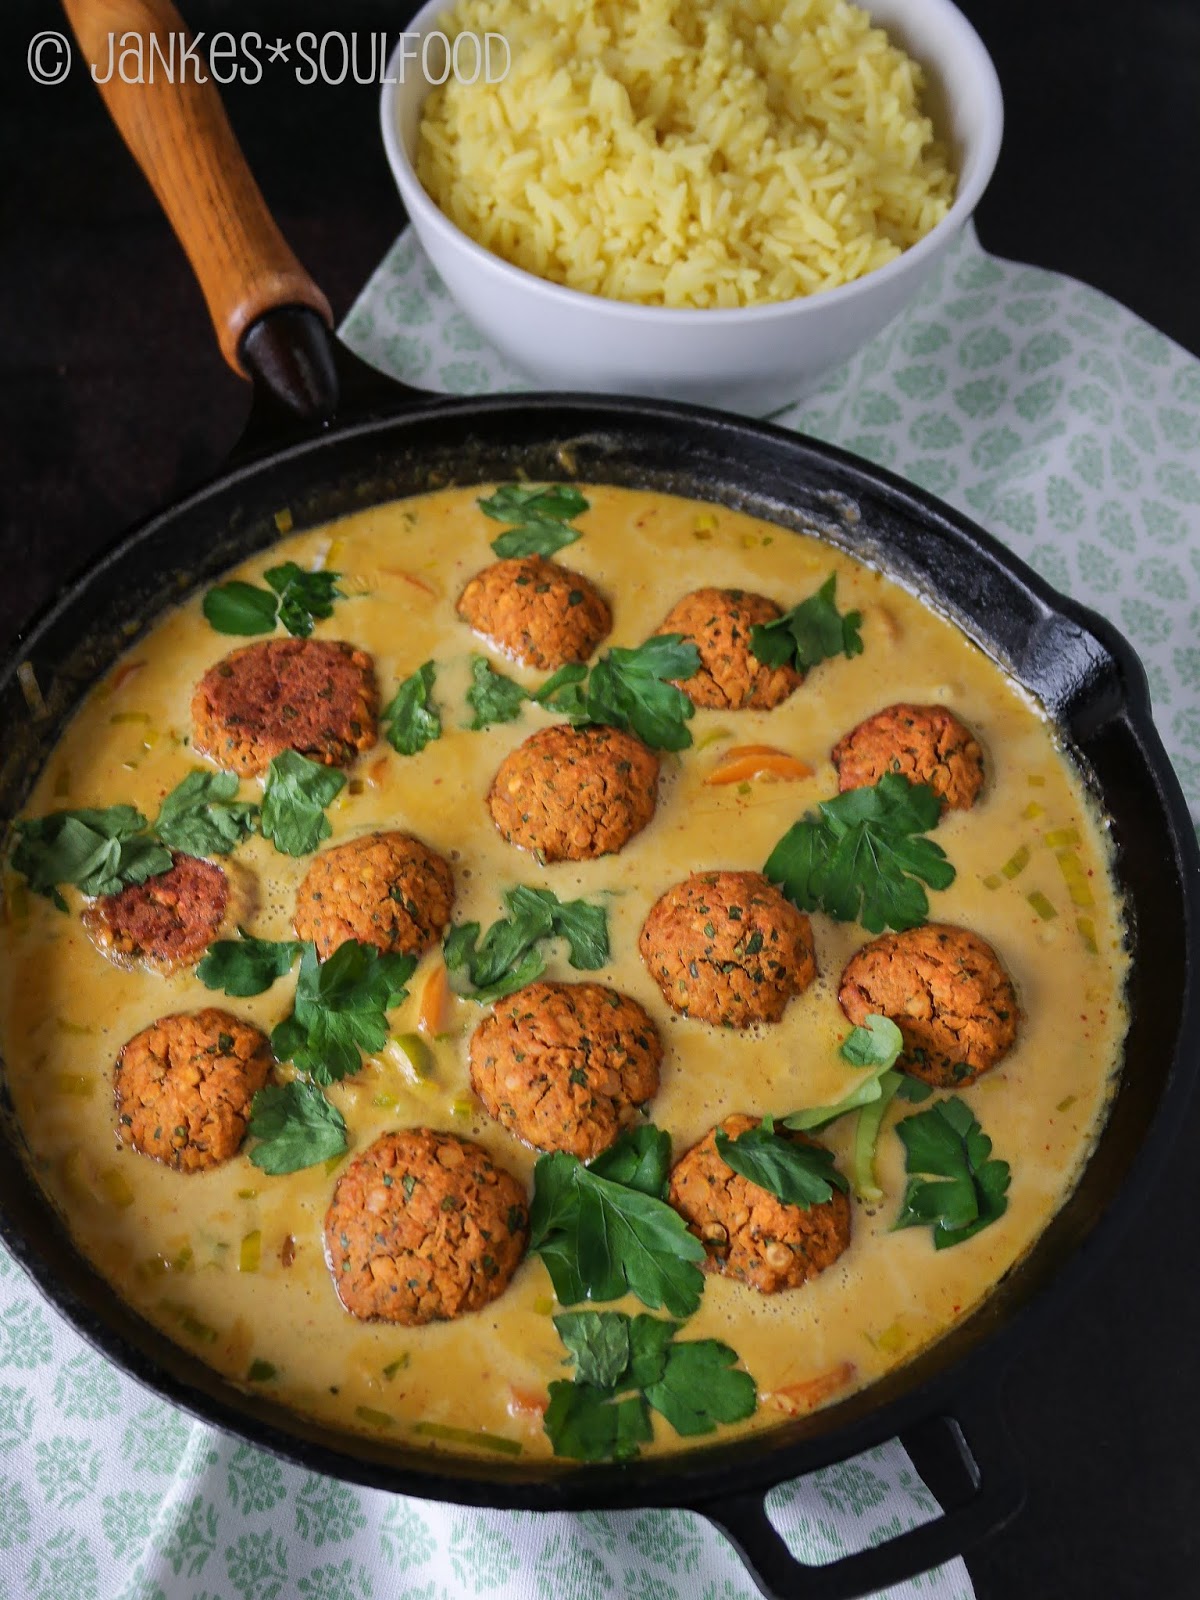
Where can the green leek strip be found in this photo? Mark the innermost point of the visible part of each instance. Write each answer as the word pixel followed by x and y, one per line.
pixel 1063 839
pixel 74 1083
pixel 77 1030
pixel 415 1056
pixel 1065 1105
pixel 1017 862
pixel 992 881
pixel 250 1255
pixel 384 1102
pixel 714 736
pixel 866 1137
pixel 1087 932
pixel 1032 810
pixel 116 1187
pixel 1043 907
pixel 1075 874
pixel 462 1106
pixel 261 1372
pixel 482 1441
pixel 131 716
pixel 377 1419
pixel 189 1323
pixel 398 1365
pixel 1035 780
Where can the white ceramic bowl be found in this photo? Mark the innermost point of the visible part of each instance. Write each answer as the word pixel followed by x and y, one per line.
pixel 751 359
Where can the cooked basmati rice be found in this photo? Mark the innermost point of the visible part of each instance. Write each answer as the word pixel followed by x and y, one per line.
pixel 687 154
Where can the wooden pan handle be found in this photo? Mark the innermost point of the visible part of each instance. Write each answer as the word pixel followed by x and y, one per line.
pixel 180 136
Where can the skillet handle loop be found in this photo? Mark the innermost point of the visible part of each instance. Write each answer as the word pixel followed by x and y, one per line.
pixel 989 1493
pixel 177 131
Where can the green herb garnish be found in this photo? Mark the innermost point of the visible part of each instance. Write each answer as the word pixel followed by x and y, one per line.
pixel 626 1365
pixel 411 720
pixel 858 857
pixel 101 852
pixel 953 1185
pixel 809 633
pixel 296 1127
pixel 246 965
pixel 602 1237
pixel 632 689
pixel 295 795
pixel 201 817
pixel 493 697
pixel 507 957
pixel 539 518
pixel 877 1042
pixel 295 598
pixel 340 1010
pixel 798 1174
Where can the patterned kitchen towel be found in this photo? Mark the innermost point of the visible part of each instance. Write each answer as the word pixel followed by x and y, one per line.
pixel 107 1493
pixel 1038 406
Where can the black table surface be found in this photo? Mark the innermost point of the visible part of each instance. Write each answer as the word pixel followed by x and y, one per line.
pixel 113 399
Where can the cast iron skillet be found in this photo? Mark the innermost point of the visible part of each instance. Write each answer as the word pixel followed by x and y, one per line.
pixel 327 439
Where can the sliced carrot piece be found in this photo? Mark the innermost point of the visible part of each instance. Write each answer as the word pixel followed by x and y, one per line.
pixel 747 761
pixel 526 1403
pixel 435 999
pixel 410 577
pixel 797 1398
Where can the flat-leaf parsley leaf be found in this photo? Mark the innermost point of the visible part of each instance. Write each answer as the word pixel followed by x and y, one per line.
pixel 201 816
pixel 246 965
pixel 809 633
pixel 601 1240
pixel 340 1010
pixel 410 719
pixel 507 957
pixel 295 795
pixel 295 1126
pixel 540 518
pixel 859 856
pixel 797 1173
pixel 954 1185
pixel 296 598
pixel 101 852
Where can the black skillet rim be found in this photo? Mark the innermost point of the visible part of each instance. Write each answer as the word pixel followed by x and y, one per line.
pixel 763 1459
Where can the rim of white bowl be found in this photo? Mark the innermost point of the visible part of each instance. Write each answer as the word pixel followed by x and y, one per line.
pixel 984 82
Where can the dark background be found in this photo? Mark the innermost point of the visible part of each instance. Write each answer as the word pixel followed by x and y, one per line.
pixel 113 398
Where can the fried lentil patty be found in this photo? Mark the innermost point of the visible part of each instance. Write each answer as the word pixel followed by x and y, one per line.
pixel 315 696
pixel 731 677
pixel 423 1227
pixel 166 922
pixel 385 889
pixel 571 794
pixel 926 744
pixel 566 1066
pixel 536 612
pixel 184 1086
pixel 946 990
pixel 726 947
pixel 748 1233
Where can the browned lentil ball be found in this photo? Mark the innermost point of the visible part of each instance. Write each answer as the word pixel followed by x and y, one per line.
pixel 184 1086
pixel 566 1066
pixel 385 889
pixel 315 696
pixel 166 922
pixel 422 1227
pixel 726 947
pixel 571 794
pixel 946 990
pixel 748 1233
pixel 536 612
pixel 926 744
pixel 731 677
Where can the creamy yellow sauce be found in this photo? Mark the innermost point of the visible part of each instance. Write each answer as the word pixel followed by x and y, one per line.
pixel 172 1244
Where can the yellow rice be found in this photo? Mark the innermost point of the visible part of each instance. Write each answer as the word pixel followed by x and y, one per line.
pixel 687 154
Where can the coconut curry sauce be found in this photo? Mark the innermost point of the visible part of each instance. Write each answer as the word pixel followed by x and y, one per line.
pixel 230 1262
